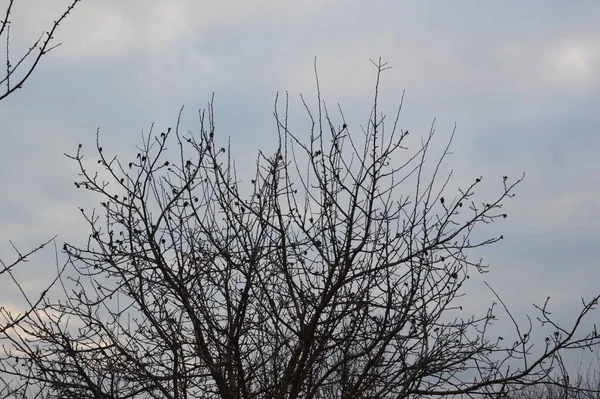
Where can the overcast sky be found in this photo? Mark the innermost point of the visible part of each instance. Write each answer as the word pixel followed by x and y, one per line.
pixel 520 79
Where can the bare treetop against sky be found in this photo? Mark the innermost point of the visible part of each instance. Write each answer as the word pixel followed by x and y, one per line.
pixel 521 82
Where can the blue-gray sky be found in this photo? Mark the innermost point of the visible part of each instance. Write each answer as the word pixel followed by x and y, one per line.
pixel 520 79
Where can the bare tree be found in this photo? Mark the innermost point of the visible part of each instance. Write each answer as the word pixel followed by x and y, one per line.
pixel 17 69
pixel 584 384
pixel 333 273
pixel 16 72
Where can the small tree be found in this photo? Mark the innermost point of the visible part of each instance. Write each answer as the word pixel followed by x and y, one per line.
pixel 333 273
pixel 16 72
pixel 583 384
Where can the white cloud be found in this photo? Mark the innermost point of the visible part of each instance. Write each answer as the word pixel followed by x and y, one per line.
pixel 572 66
pixel 574 63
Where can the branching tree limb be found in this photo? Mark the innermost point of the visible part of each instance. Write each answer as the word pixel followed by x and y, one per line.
pixel 18 70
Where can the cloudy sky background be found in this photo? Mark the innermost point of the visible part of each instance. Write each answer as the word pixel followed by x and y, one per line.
pixel 520 80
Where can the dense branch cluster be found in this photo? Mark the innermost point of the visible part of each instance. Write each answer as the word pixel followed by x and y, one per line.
pixel 332 273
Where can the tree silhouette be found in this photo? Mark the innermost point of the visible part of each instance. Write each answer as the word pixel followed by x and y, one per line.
pixel 329 276
pixel 585 384
pixel 16 72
